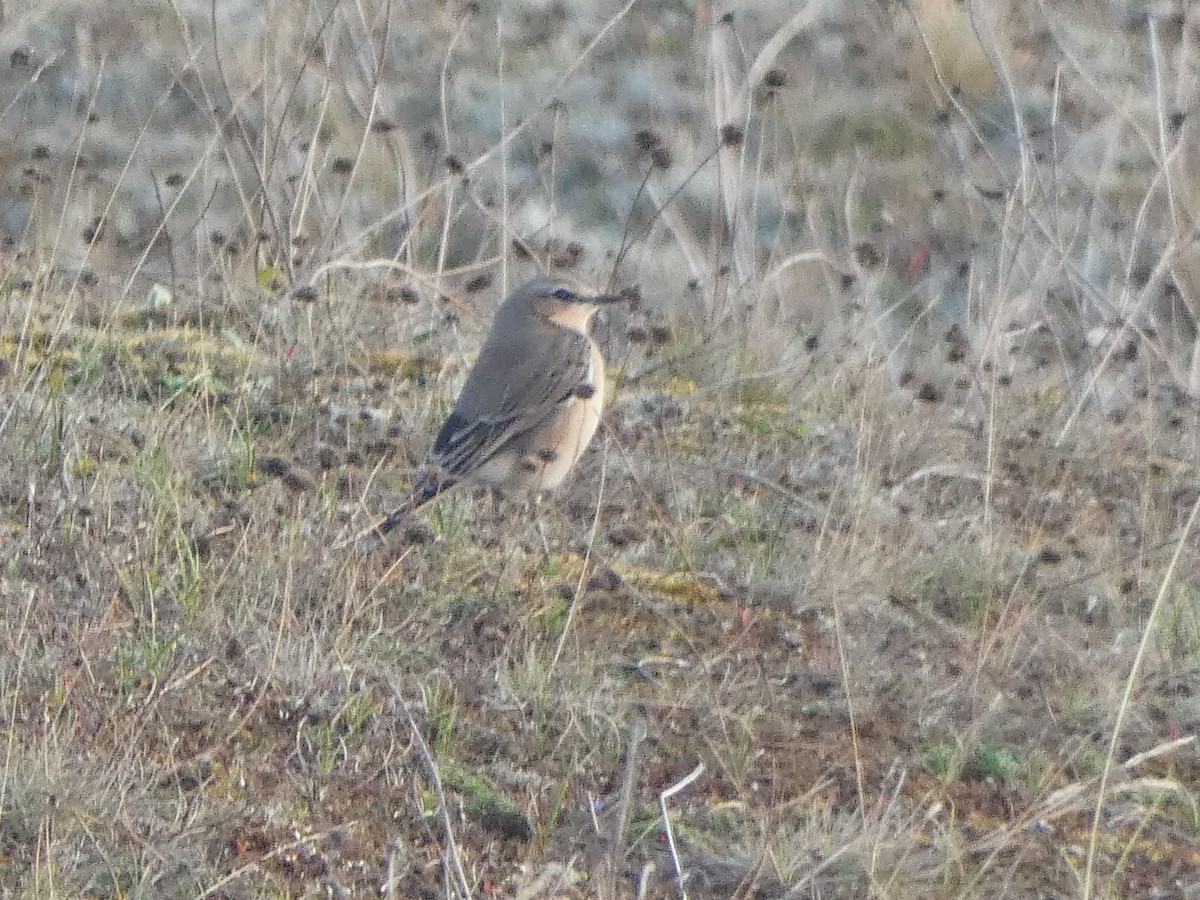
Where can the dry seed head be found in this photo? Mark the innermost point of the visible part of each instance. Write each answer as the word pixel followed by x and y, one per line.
pixel 646 139
pixel 478 283
pixel 94 231
pixel 867 254
pixel 563 256
pixel 276 466
pixel 732 135
pixel 296 481
pixel 929 392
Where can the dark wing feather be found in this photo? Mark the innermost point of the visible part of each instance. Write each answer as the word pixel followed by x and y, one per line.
pixel 509 394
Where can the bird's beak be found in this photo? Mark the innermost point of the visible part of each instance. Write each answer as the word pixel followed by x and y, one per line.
pixel 602 299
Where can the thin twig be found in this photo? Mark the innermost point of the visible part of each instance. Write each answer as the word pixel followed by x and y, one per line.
pixel 1148 632
pixel 607 884
pixel 443 810
pixel 666 817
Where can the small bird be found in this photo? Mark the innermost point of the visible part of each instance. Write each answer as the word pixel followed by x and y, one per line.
pixel 530 405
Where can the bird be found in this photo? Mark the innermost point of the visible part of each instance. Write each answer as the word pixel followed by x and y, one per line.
pixel 530 405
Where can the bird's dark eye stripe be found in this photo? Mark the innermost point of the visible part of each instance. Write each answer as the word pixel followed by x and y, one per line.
pixel 563 293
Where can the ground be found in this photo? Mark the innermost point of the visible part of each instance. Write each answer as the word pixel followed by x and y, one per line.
pixel 879 579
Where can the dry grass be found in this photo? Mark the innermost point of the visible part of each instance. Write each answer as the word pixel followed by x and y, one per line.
pixel 880 580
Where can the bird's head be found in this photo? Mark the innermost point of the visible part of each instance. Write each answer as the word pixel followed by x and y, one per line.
pixel 551 298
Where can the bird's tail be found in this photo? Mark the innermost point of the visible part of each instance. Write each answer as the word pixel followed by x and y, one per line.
pixel 428 485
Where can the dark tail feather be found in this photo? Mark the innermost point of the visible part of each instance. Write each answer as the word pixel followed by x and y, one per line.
pixel 400 513
pixel 427 486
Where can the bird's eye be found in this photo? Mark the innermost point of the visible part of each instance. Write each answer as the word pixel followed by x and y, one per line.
pixel 563 293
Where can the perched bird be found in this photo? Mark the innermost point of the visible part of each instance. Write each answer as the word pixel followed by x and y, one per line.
pixel 530 404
